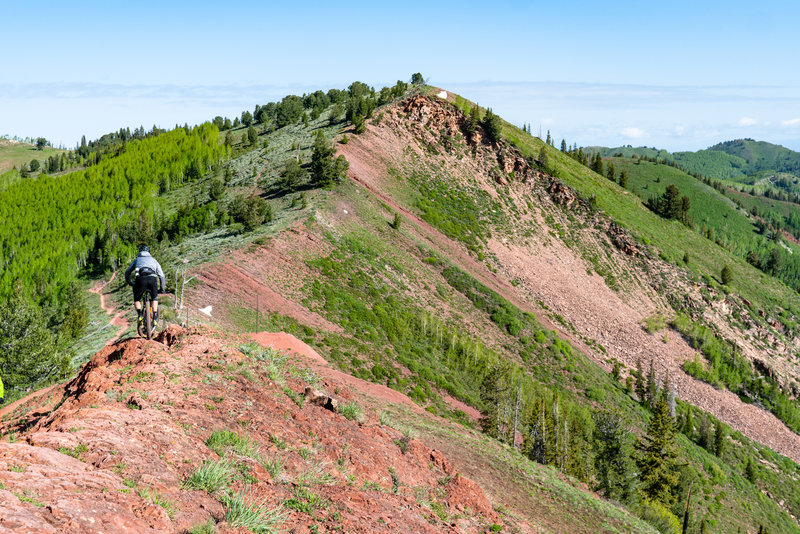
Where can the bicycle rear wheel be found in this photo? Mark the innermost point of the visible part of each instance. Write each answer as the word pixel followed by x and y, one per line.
pixel 148 317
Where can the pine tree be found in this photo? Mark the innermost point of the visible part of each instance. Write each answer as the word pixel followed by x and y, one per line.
pixel 623 179
pixel 639 387
pixel 652 386
pixel 612 458
pixel 549 140
pixel 719 438
pixel 563 146
pixel 726 275
pixel 543 159
pixel 325 170
pixel 656 456
pixel 750 471
pixel 610 173
pixel 492 126
pixel 494 391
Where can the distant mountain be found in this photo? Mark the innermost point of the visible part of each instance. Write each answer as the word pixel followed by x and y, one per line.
pixel 729 160
pixel 761 156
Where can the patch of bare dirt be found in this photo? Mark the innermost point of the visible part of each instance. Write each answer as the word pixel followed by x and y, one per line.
pixel 556 276
pixel 134 423
pixel 270 273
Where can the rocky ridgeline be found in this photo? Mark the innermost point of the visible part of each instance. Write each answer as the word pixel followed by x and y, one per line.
pixel 112 450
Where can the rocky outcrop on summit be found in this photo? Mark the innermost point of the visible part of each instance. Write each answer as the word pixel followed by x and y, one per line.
pixel 135 424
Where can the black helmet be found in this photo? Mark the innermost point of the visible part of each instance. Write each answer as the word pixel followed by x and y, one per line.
pixel 144 248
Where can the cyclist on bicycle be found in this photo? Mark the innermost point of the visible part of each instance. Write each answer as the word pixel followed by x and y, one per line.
pixel 148 277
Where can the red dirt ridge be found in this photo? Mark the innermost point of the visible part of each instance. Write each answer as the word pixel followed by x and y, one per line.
pixel 115 452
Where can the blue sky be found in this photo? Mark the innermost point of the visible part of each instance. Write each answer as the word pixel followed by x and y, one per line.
pixel 678 75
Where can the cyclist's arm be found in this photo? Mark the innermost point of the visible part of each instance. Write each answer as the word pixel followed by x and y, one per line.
pixel 128 273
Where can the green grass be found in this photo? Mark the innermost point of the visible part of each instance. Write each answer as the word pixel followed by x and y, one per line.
pixel 152 495
pixel 351 411
pixel 729 226
pixel 14 154
pixel 211 476
pixel 222 441
pixel 253 515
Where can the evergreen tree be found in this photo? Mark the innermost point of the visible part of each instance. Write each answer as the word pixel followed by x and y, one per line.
pixel 417 79
pixel 639 386
pixel 549 140
pixel 656 456
pixel 610 173
pixel 325 170
pixel 704 433
pixel 623 179
pixel 492 125
pixel 252 135
pixel 216 190
pixel 472 121
pixel 359 124
pixel 563 146
pixel 688 423
pixel 543 159
pixel 494 392
pixel 750 471
pixel 292 177
pixel 597 164
pixel 652 386
pixel 247 118
pixel 612 458
pixel 336 113
pixel 719 438
pixel 28 355
pixel 251 211
pixel 726 275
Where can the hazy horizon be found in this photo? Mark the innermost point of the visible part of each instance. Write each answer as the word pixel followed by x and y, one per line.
pixel 612 74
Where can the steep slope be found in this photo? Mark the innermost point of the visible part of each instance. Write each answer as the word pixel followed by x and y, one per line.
pixel 547 271
pixel 468 279
pixel 167 435
pixel 134 425
pixel 511 228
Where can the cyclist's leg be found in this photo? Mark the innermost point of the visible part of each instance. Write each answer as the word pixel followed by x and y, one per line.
pixel 152 288
pixel 138 291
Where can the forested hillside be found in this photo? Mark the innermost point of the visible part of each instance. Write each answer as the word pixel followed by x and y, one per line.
pixel 577 310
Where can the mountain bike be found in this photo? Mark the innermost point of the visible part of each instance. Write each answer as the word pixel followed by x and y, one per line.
pixel 147 317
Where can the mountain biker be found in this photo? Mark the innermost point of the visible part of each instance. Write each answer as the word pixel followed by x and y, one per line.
pixel 148 277
pixel 2 392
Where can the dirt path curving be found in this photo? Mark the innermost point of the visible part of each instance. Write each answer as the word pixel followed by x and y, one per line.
pixel 117 319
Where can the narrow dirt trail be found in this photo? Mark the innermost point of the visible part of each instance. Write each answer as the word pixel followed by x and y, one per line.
pixel 117 319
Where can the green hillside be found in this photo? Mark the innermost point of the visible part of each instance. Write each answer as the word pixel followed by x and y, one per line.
pixel 719 217
pixel 412 315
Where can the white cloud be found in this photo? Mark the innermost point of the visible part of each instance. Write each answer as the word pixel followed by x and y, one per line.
pixel 679 129
pixel 748 121
pixel 791 122
pixel 635 133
